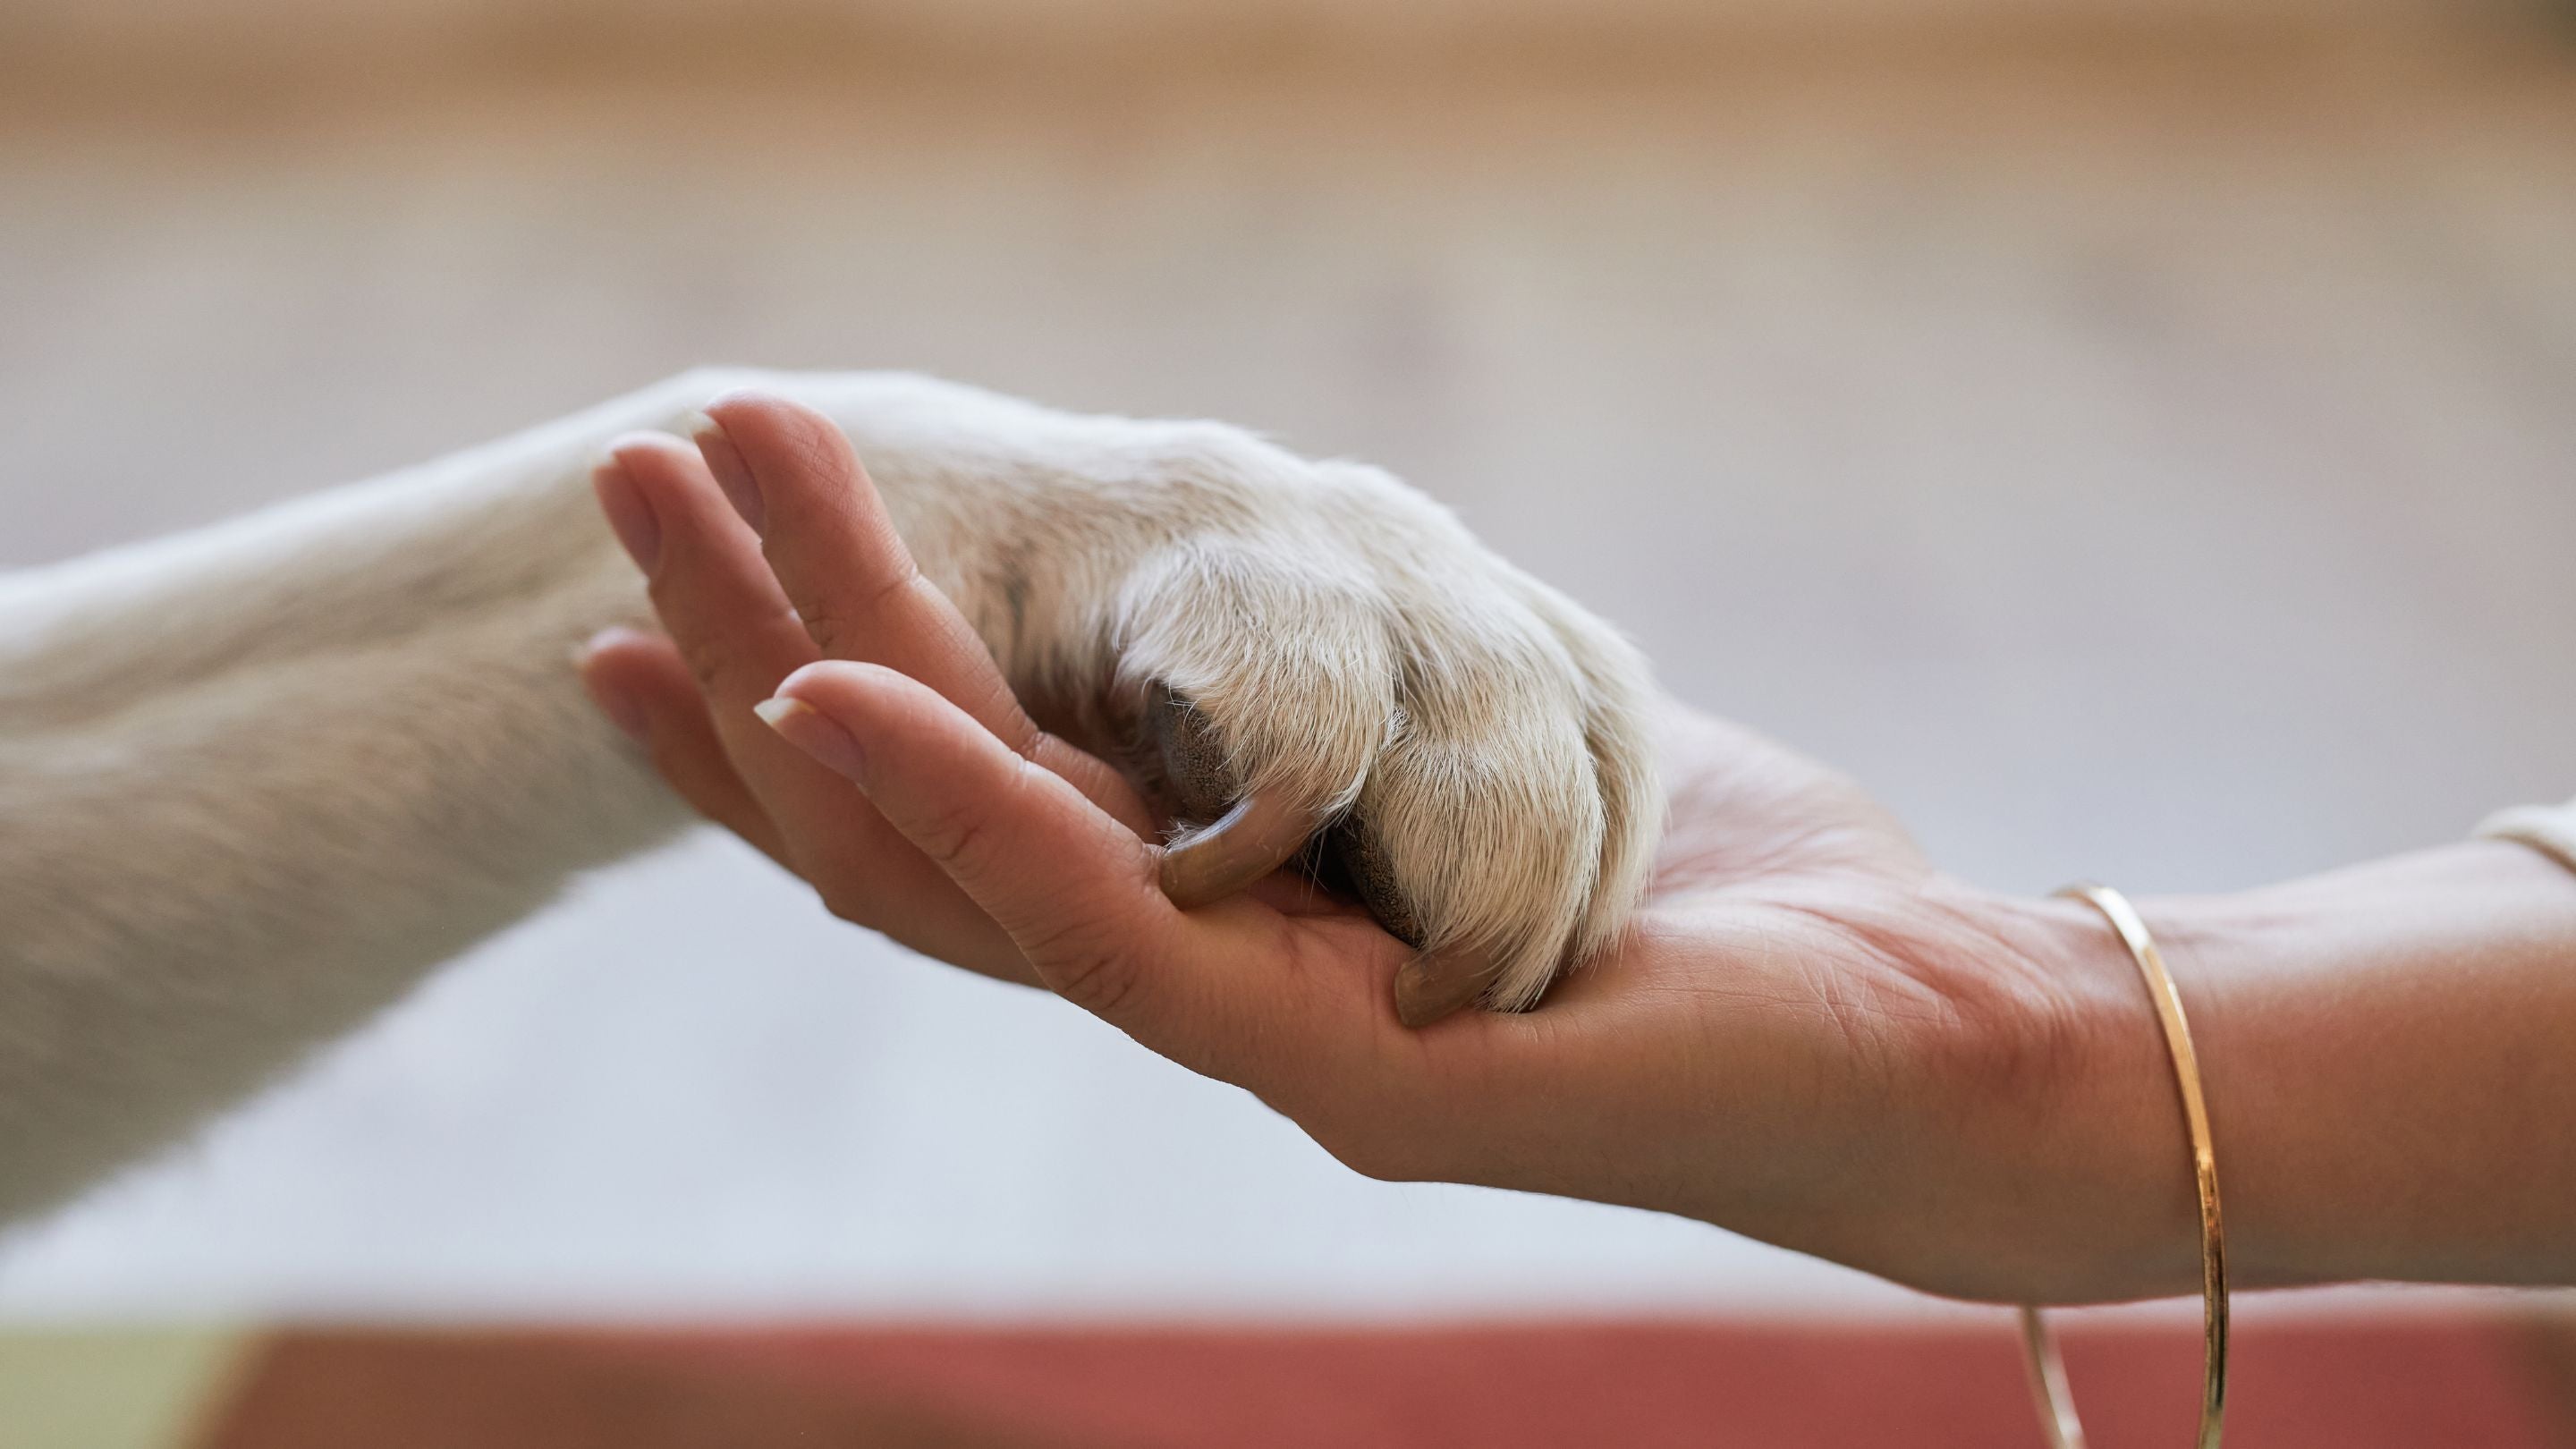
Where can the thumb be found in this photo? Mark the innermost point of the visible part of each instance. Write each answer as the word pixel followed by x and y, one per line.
pixel 1075 889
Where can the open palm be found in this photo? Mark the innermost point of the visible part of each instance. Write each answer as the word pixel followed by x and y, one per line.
pixel 1806 1033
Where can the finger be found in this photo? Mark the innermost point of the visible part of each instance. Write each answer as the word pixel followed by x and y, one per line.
pixel 791 474
pixel 838 559
pixel 734 628
pixel 714 593
pixel 1074 888
pixel 639 681
pixel 1296 1012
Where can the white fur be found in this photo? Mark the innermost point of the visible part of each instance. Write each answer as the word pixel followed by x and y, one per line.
pixel 256 780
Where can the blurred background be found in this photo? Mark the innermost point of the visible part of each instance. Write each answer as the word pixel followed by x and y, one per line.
pixel 2136 437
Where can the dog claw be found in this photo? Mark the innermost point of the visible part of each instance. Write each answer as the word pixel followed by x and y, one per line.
pixel 1250 840
pixel 1439 983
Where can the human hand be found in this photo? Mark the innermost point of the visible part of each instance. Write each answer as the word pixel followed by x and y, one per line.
pixel 1807 1034
pixel 1285 655
pixel 724 594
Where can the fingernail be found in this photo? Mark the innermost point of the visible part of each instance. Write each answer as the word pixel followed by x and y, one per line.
pixel 733 475
pixel 629 516
pixel 1438 983
pixel 810 730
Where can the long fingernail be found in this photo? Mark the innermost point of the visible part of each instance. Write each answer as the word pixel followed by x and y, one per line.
pixel 1438 983
pixel 1250 841
pixel 733 475
pixel 810 730
pixel 629 516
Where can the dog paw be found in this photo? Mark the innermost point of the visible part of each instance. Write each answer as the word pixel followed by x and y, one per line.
pixel 1305 662
pixel 1357 683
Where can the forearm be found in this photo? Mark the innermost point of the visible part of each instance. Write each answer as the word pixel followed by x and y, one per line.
pixel 2390 1056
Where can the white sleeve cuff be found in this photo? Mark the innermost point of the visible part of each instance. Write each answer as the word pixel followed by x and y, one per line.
pixel 2549 829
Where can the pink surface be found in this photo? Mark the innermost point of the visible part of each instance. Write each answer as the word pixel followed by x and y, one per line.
pixel 1646 1385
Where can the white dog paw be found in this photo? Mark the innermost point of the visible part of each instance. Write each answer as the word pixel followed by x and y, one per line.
pixel 1341 666
pixel 1305 660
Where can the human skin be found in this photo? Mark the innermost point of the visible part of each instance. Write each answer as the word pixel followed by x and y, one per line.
pixel 1807 1034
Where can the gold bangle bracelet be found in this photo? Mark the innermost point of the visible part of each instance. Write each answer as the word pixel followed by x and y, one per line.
pixel 2047 1371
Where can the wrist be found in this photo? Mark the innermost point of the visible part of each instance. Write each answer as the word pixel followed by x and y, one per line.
pixel 2385 1051
pixel 2058 1163
pixel 2113 1137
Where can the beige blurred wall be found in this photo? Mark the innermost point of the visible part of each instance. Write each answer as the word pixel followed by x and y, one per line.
pixel 35 33
pixel 2145 458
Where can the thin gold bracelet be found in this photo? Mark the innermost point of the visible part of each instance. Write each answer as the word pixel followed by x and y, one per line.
pixel 2047 1371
